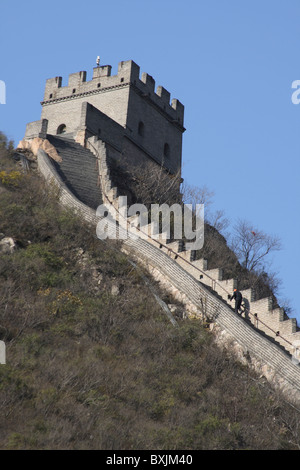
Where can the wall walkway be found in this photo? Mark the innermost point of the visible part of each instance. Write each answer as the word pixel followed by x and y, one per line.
pixel 271 354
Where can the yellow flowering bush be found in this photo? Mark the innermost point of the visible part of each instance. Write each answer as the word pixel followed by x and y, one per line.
pixel 66 302
pixel 10 178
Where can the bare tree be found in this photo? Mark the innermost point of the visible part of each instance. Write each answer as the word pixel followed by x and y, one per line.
pixel 252 246
pixel 146 184
pixel 154 185
pixel 196 195
pixel 6 146
pixel 218 221
pixel 202 195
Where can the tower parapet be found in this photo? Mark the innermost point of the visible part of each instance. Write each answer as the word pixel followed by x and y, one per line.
pixel 149 125
pixel 102 81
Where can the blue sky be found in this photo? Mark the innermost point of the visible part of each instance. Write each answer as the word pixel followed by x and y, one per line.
pixel 231 63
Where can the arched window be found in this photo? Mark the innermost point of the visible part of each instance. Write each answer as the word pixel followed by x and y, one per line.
pixel 141 129
pixel 166 150
pixel 61 129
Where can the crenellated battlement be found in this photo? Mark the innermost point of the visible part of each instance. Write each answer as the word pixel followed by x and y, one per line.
pixel 102 81
pixel 139 121
pixel 149 123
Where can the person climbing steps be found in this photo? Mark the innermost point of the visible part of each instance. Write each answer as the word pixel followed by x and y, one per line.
pixel 238 300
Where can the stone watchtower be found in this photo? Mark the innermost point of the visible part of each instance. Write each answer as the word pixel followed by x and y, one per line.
pixel 136 122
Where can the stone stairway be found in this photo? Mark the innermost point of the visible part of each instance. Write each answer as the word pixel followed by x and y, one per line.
pixel 265 338
pixel 272 322
pixel 78 170
pixel 259 312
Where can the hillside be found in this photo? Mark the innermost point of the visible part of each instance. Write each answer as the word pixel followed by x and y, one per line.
pixel 93 362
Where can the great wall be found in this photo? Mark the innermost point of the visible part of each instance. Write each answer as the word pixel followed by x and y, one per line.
pixel 77 162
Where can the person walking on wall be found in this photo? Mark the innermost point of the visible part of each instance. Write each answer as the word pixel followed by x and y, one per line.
pixel 238 300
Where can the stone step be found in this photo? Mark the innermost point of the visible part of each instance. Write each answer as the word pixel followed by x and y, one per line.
pixel 177 246
pixel 248 295
pixel 277 321
pixel 78 170
pixel 227 287
pixel 212 278
pixel 278 314
pixel 163 237
pixel 172 249
pixel 261 306
pixel 200 264
pixel 188 255
pixel 288 326
pixel 112 194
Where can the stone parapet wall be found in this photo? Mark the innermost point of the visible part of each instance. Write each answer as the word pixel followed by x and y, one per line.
pixel 67 199
pixel 102 81
pixel 251 345
pixel 124 110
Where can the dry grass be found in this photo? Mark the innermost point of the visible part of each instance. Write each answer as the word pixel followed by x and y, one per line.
pixel 88 369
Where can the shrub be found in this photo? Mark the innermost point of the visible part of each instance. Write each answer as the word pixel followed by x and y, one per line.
pixel 12 179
